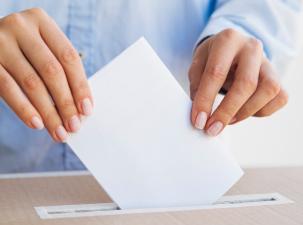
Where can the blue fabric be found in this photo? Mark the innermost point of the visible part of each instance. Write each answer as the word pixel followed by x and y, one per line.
pixel 100 30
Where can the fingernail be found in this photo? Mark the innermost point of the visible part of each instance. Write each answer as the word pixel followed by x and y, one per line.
pixel 74 123
pixel 61 133
pixel 37 123
pixel 215 128
pixel 201 120
pixel 87 107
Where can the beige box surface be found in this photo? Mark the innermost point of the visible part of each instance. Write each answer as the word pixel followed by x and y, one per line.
pixel 20 194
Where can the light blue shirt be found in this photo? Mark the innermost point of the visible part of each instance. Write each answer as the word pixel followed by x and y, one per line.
pixel 100 30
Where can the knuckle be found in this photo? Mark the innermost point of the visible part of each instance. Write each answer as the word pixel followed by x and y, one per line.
pixel 200 101
pixel 248 82
pixel 195 62
pixel 191 73
pixel 225 114
pixel 244 112
pixel 283 98
pixel 50 117
pixel 272 87
pixel 51 68
pixel 4 40
pixel 70 56
pixel 240 90
pixel 82 86
pixel 191 69
pixel 216 72
pixel 229 33
pixel 36 11
pixel 31 81
pixel 67 104
pixel 254 45
pixel 193 94
pixel 4 83
pixel 193 90
pixel 2 37
pixel 13 20
pixel 24 110
pixel 245 85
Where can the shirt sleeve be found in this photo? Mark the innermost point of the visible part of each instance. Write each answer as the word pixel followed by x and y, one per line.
pixel 274 22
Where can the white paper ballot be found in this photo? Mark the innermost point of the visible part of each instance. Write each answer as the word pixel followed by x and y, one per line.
pixel 139 143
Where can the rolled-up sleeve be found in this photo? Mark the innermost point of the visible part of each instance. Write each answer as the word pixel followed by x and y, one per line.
pixel 274 22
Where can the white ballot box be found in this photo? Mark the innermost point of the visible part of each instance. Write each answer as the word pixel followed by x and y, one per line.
pixel 263 196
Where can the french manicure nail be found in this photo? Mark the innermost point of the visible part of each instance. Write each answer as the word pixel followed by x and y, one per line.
pixel 74 123
pixel 201 120
pixel 37 123
pixel 215 128
pixel 61 133
pixel 87 107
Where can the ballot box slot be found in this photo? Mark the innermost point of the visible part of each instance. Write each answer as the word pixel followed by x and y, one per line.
pixel 244 201
pixel 99 209
pixel 82 211
pixel 63 211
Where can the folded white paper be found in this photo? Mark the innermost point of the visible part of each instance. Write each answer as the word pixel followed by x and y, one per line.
pixel 139 143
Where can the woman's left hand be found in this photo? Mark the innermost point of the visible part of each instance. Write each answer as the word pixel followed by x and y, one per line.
pixel 235 63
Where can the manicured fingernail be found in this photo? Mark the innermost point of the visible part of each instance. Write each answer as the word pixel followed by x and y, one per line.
pixel 215 128
pixel 61 133
pixel 74 123
pixel 87 107
pixel 37 123
pixel 201 120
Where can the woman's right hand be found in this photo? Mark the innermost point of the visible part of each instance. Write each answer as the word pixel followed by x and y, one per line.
pixel 42 77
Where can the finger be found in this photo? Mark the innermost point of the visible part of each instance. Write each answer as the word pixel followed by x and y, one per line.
pixel 244 85
pixel 196 68
pixel 221 54
pixel 17 101
pixel 274 105
pixel 268 88
pixel 36 92
pixel 53 76
pixel 70 61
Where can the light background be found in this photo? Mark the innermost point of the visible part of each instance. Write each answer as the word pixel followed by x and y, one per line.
pixel 275 140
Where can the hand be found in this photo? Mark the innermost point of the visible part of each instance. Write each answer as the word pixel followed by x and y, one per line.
pixel 41 75
pixel 236 64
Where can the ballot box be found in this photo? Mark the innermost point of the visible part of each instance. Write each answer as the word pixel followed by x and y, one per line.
pixel 262 196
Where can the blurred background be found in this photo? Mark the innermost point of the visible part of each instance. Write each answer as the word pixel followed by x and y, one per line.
pixel 275 140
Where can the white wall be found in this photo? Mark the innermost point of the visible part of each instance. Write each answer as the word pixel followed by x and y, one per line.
pixel 276 140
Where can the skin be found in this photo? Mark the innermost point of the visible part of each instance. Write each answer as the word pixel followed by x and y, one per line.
pixel 42 77
pixel 236 63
